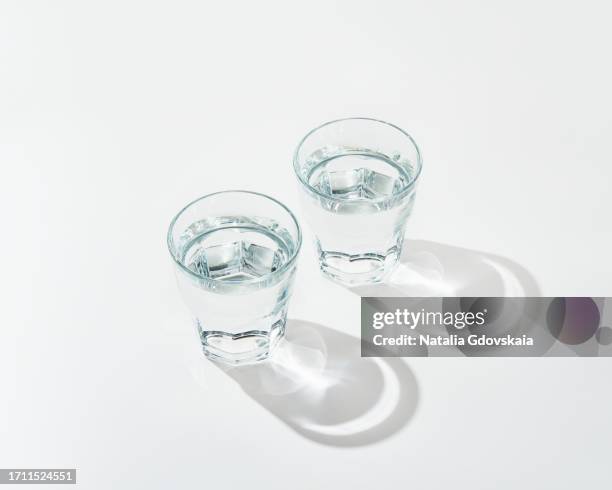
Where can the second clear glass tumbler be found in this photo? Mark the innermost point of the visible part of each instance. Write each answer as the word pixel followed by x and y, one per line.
pixel 235 254
pixel 358 178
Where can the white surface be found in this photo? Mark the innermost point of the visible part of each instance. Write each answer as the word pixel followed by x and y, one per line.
pixel 115 114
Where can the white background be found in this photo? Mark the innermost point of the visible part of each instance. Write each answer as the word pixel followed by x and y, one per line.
pixel 115 114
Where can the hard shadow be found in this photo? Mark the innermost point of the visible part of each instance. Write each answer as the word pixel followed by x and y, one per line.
pixel 317 383
pixel 435 269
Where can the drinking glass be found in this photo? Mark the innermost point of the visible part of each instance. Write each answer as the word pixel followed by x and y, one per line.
pixel 235 254
pixel 358 178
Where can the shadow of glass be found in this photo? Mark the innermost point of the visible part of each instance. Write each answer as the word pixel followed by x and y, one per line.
pixel 430 269
pixel 317 383
pixel 435 269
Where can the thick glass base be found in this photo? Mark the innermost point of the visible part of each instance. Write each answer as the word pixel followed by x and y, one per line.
pixel 357 270
pixel 243 348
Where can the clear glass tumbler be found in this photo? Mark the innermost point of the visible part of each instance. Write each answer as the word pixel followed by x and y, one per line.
pixel 359 177
pixel 235 254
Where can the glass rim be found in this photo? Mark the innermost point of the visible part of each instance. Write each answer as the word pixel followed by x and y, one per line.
pixel 172 248
pixel 378 200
